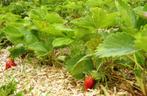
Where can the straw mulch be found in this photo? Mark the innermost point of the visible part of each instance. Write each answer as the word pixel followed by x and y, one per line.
pixel 35 80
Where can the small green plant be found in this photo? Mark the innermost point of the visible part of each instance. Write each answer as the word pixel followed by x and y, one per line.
pixel 9 89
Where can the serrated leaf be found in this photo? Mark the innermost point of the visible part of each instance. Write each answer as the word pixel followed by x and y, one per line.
pixel 97 18
pixel 93 19
pixel 116 44
pixel 127 16
pixel 45 15
pixel 59 42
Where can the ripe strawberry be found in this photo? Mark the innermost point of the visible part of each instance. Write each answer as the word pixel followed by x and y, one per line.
pixel 7 66
pixel 89 83
pixel 10 63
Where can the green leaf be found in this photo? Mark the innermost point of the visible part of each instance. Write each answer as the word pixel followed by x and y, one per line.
pixel 9 18
pixel 77 55
pixel 93 19
pixel 79 65
pixel 140 59
pixel 46 21
pixel 110 20
pixel 19 94
pixel 54 18
pixel 140 78
pixel 102 19
pixel 97 18
pixel 116 44
pixel 29 38
pixel 62 28
pixel 71 61
pixel 127 16
pixel 92 44
pixel 59 42
pixel 39 49
pixel 93 3
pixel 141 39
pixel 47 28
pixel 142 16
pixel 82 67
pixel 14 34
pixel 8 89
pixel 99 76
pixel 42 13
pixel 17 50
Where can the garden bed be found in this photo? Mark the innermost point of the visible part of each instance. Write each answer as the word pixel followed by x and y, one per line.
pixel 36 80
pixel 73 47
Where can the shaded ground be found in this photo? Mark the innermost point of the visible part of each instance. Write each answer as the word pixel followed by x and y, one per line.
pixel 44 80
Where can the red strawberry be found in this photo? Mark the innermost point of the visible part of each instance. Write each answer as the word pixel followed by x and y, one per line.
pixel 10 63
pixel 89 83
pixel 7 66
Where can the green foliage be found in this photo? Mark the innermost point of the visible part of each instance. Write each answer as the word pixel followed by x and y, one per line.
pixel 77 52
pixel 116 44
pixel 92 31
pixel 9 89
pixel 139 57
pixel 106 4
pixel 58 42
pixel 17 50
pixel 99 76
pixel 140 78
pixel 39 48
pixel 141 39
pixel 97 18
pixel 51 17
pixel 85 67
pixel 13 34
pixel 127 16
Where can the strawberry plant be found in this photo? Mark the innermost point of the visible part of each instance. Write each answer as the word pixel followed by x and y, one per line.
pixel 101 36
pixel 109 46
pixel 9 89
